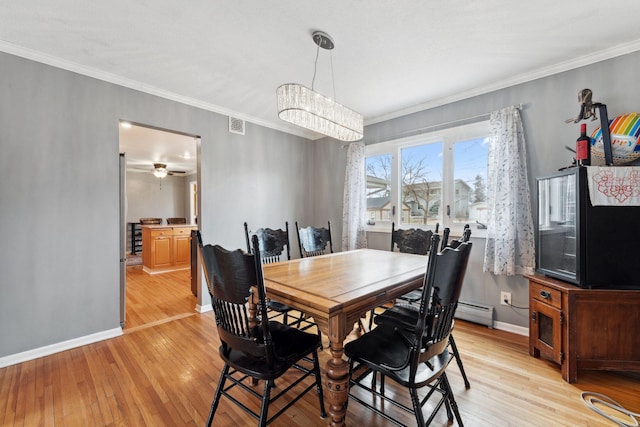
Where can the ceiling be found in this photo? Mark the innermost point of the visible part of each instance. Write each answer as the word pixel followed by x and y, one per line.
pixel 391 58
pixel 144 146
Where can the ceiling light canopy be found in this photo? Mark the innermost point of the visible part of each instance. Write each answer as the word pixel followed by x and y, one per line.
pixel 304 107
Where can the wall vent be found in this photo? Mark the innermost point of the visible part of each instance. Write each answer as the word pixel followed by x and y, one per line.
pixel 236 125
pixel 477 313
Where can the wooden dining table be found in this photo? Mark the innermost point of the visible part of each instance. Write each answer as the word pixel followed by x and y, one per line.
pixel 337 290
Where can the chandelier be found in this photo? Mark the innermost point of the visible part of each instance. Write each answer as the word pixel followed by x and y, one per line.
pixel 309 109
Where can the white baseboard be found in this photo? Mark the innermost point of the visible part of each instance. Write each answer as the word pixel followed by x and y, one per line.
pixel 520 330
pixel 204 308
pixel 47 350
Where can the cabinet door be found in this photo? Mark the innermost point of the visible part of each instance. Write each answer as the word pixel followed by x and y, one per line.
pixel 161 251
pixel 545 330
pixel 182 250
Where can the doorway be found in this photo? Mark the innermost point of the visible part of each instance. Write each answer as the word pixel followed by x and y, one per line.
pixel 158 168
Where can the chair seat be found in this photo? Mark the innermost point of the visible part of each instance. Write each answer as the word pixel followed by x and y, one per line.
pixel 405 316
pixel 290 345
pixel 386 349
pixel 278 306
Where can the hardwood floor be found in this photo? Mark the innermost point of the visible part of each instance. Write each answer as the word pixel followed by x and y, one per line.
pixel 165 375
pixel 156 298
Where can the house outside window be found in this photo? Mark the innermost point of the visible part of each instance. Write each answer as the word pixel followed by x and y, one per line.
pixel 435 178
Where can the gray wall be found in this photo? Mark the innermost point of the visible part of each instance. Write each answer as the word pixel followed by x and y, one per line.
pixel 151 197
pixel 59 186
pixel 59 217
pixel 547 103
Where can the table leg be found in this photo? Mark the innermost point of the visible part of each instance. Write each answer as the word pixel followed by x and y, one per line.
pixel 337 385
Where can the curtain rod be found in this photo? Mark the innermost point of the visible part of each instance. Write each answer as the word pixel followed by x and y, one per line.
pixel 418 131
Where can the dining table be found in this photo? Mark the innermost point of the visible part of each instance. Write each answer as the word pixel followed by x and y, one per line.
pixel 337 290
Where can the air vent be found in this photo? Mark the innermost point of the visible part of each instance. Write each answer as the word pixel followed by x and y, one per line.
pixel 236 125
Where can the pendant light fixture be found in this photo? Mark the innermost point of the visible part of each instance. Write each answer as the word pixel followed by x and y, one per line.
pixel 304 107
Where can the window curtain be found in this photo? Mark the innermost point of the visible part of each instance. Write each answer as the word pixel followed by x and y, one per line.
pixel 354 206
pixel 509 246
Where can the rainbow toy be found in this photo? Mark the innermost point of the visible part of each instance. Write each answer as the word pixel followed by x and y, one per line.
pixel 625 143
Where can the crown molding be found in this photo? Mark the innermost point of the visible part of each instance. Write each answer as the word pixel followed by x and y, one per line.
pixel 143 87
pixel 519 79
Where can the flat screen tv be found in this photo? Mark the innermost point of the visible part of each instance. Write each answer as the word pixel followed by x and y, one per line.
pixel 589 246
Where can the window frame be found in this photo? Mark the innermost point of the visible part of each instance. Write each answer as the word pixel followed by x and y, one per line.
pixel 448 137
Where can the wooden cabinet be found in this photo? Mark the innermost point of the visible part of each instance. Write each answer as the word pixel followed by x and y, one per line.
pixel 583 328
pixel 545 332
pixel 182 246
pixel 166 248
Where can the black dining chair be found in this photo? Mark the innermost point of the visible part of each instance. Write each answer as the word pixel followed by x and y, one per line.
pixel 445 292
pixel 412 241
pixel 255 348
pixel 274 247
pixel 181 220
pixel 313 241
pixel 415 357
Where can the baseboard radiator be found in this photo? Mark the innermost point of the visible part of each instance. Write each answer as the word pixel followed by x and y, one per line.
pixel 476 313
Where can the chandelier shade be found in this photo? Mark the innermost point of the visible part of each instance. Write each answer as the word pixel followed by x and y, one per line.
pixel 304 107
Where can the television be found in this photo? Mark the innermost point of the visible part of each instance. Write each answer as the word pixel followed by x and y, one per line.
pixel 590 246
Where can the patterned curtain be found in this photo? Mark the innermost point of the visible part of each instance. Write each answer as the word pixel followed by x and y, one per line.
pixel 510 236
pixel 354 206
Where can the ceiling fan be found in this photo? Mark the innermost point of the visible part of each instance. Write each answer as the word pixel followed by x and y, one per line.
pixel 160 170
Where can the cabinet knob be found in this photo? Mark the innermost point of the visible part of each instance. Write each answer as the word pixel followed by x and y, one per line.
pixel 545 294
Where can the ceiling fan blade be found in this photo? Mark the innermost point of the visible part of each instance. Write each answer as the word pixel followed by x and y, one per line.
pixel 174 172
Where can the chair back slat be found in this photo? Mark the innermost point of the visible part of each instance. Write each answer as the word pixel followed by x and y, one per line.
pixel 445 238
pixel 441 324
pixel 314 241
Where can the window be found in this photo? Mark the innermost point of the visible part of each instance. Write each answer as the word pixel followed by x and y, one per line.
pixel 435 178
pixel 378 170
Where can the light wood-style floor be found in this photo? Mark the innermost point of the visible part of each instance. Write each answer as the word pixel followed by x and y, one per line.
pixel 157 298
pixel 165 373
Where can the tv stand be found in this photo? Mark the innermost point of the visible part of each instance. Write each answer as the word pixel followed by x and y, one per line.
pixel 583 328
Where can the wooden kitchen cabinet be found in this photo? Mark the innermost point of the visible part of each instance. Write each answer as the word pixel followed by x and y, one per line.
pixel 166 248
pixel 182 246
pixel 583 328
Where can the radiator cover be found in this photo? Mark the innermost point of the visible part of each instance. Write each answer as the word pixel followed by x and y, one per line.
pixel 476 313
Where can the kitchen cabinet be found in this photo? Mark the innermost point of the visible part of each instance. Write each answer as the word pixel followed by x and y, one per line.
pixel 166 248
pixel 182 246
